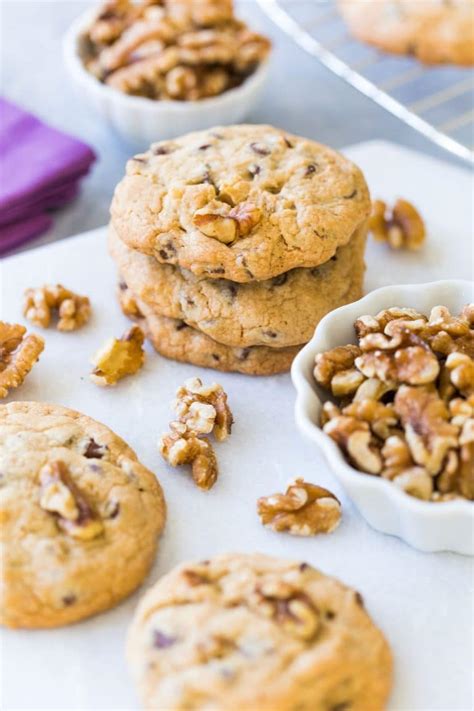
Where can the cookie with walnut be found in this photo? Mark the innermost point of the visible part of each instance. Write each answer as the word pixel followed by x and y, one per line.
pixel 242 202
pixel 81 516
pixel 255 632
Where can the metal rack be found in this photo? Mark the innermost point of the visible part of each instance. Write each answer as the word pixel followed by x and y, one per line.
pixel 436 101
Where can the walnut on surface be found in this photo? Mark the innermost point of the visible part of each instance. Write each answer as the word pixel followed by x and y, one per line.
pixel 411 418
pixel 59 495
pixel 303 510
pixel 183 446
pixel 119 357
pixel 18 354
pixel 201 409
pixel 402 227
pixel 42 304
pixel 204 409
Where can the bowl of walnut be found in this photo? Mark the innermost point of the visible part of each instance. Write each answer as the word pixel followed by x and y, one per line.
pixel 155 69
pixel 386 389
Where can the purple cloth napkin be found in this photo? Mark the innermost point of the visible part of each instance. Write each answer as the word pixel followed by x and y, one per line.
pixel 40 168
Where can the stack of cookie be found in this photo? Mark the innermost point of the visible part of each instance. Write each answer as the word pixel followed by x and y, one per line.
pixel 233 243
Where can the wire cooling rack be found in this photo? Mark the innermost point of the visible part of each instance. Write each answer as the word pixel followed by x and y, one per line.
pixel 436 101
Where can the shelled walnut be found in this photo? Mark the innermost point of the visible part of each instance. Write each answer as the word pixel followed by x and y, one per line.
pixel 119 357
pixel 201 409
pixel 18 354
pixel 41 304
pixel 410 419
pixel 184 51
pixel 303 510
pixel 402 227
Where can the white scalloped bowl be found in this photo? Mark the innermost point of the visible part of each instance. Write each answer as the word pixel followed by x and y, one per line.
pixel 429 527
pixel 141 121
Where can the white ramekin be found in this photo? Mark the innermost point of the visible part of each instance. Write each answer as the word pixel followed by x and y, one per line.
pixel 447 526
pixel 141 121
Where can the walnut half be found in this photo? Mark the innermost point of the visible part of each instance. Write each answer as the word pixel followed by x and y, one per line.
pixel 72 310
pixel 18 354
pixel 60 496
pixel 183 446
pixel 303 510
pixel 401 228
pixel 204 408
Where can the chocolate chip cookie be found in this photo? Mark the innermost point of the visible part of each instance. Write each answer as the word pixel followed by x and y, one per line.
pixel 174 339
pixel 240 202
pixel 257 633
pixel 80 516
pixel 434 31
pixel 278 312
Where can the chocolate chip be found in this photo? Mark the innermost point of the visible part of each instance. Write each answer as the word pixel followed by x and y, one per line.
pixel 334 258
pixel 123 285
pixel 216 270
pixel 204 147
pixel 69 599
pixel 270 334
pixel 310 169
pixel 168 251
pixel 288 143
pixel 304 566
pixel 280 280
pixel 162 640
pixel 260 149
pixel 180 325
pixel 254 169
pixel 190 301
pixel 161 151
pixel 94 450
pixel 359 599
pixel 352 195
pixel 329 615
pixel 216 357
pixel 243 354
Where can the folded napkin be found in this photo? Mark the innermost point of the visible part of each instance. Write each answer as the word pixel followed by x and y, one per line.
pixel 40 168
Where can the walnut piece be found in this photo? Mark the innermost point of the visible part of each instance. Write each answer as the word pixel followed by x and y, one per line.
pixel 60 496
pixel 119 357
pixel 428 431
pixel 183 446
pixel 204 409
pixel 303 510
pixel 402 358
pixel 290 608
pixel 18 354
pixel 334 370
pixel 224 223
pixel 401 228
pixel 72 310
pixel 410 419
pixel 355 439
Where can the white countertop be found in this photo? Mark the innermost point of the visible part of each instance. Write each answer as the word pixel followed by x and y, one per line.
pixel 422 602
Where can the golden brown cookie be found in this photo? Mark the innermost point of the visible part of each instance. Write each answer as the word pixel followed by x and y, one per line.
pixel 80 516
pixel 434 31
pixel 174 339
pixel 278 312
pixel 255 633
pixel 240 202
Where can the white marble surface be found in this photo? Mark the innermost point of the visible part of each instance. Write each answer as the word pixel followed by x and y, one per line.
pixel 301 96
pixel 423 602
